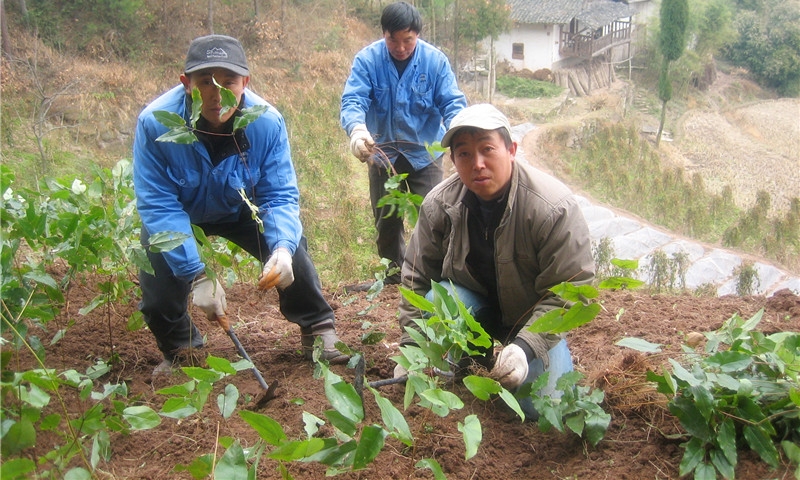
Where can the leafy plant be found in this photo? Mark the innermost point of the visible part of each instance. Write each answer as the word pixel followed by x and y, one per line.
pixel 741 389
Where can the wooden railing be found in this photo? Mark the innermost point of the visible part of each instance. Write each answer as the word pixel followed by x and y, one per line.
pixel 588 45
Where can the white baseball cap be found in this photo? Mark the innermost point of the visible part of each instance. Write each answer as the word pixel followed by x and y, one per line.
pixel 483 115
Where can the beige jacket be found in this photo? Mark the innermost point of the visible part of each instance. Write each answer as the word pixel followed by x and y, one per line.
pixel 542 240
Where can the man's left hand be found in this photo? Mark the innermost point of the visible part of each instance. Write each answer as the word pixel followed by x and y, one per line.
pixel 511 367
pixel 278 270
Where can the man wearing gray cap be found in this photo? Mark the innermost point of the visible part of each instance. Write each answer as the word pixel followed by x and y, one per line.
pixel 500 233
pixel 205 183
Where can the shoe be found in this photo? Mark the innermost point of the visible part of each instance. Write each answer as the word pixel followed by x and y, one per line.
pixel 358 287
pixel 326 331
pixel 366 286
pixel 166 367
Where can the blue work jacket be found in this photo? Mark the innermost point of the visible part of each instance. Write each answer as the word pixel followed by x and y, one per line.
pixel 403 114
pixel 176 185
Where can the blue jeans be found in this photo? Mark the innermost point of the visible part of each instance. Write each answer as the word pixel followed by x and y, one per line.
pixel 560 357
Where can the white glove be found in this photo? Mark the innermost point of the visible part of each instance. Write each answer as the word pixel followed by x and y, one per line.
pixel 278 270
pixel 400 371
pixel 511 367
pixel 361 142
pixel 209 297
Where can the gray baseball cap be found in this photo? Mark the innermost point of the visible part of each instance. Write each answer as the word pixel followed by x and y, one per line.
pixel 216 51
pixel 483 115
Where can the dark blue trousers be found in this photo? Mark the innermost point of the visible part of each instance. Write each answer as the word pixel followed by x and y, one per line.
pixel 165 297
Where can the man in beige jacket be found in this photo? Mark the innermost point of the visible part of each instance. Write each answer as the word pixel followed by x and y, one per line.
pixel 503 233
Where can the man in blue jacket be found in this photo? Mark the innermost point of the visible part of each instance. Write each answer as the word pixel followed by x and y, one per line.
pixel 400 97
pixel 205 184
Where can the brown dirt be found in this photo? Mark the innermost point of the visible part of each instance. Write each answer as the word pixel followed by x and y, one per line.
pixel 636 444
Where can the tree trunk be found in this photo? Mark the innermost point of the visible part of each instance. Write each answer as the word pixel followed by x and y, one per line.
pixel 5 38
pixel 211 16
pixel 492 70
pixel 255 9
pixel 661 124
pixel 455 36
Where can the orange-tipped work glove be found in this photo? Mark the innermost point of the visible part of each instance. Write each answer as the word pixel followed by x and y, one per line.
pixel 361 143
pixel 209 296
pixel 278 270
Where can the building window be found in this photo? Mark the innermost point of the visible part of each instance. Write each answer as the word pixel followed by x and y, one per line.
pixel 518 51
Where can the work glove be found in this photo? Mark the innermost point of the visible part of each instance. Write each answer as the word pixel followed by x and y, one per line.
pixel 361 142
pixel 511 367
pixel 278 270
pixel 400 371
pixel 209 297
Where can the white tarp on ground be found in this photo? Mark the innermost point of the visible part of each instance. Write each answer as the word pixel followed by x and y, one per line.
pixel 633 240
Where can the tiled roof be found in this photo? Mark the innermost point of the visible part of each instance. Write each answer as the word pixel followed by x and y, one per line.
pixel 598 14
pixel 592 13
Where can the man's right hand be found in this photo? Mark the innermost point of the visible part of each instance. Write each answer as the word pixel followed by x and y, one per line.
pixel 361 143
pixel 209 296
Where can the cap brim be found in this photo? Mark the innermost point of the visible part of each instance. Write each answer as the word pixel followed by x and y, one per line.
pixel 227 66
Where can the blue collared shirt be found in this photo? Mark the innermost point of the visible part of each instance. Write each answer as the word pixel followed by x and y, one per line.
pixel 403 114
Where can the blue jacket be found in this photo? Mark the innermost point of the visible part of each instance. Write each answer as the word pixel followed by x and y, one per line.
pixel 403 114
pixel 176 185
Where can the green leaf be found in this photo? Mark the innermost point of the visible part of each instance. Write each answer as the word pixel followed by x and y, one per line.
pixel 728 361
pixel 625 264
pixel 720 461
pixel 726 439
pixel 227 401
pixel 20 435
pixel 559 321
pixel 182 389
pixel 221 365
pixel 703 400
pixel 705 471
pixel 482 387
pixel 344 424
pixel 141 417
pixel 101 448
pixel 691 418
pixel 16 468
pixel 344 398
pixel 369 446
pixel 267 428
pixel 574 293
pixel 762 444
pixel 472 433
pixel 169 119
pixel 232 465
pixel 249 115
pixel 201 374
pixel 443 398
pixel 639 344
pixel 181 135
pixel 297 450
pixel 791 450
pixel 78 473
pixel 433 466
pixel 165 241
pixel 693 455
pixel 372 338
pixel 199 468
pixel 620 283
pixel 512 403
pixel 393 419
pixel 312 424
pixel 596 425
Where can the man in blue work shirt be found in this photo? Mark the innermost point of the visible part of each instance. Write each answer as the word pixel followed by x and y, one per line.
pixel 400 97
pixel 204 184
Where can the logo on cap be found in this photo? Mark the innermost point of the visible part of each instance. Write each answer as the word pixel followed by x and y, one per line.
pixel 216 52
